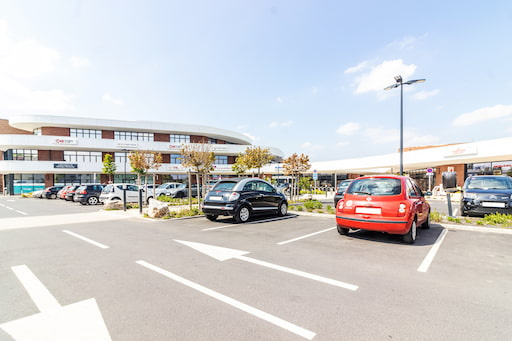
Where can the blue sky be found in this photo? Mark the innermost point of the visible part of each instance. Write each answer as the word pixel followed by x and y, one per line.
pixel 302 76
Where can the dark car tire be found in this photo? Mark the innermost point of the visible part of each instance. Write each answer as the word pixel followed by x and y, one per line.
pixel 212 217
pixel 282 210
pixel 179 195
pixel 53 196
pixel 342 230
pixel 426 224
pixel 92 201
pixel 243 214
pixel 410 237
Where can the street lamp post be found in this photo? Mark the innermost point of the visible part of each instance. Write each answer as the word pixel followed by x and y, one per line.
pixel 400 83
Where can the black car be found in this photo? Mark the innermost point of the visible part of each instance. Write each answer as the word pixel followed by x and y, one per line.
pixel 340 191
pixel 88 194
pixel 486 194
pixel 243 198
pixel 70 193
pixel 51 192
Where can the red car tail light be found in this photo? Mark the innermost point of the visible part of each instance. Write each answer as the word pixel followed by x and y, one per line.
pixel 234 196
pixel 83 192
pixel 341 203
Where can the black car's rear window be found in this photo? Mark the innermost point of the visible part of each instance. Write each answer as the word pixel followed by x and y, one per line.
pixel 343 185
pixel 489 183
pixel 376 186
pixel 224 186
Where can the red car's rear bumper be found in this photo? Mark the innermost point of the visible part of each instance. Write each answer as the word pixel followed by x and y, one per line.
pixel 398 225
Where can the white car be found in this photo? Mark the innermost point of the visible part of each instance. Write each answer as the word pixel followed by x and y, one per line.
pixel 115 192
pixel 171 189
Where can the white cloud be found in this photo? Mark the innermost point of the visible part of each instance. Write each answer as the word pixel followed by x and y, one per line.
pixel 357 68
pixel 79 62
pixel 275 124
pixel 483 114
pixel 342 143
pixel 22 61
pixel 421 95
pixel 348 128
pixel 312 147
pixel 108 98
pixel 406 42
pixel 383 75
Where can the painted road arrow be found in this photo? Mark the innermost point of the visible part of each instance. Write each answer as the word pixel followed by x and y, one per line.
pixel 222 254
pixel 78 321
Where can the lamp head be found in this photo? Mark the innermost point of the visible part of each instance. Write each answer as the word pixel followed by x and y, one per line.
pixel 398 79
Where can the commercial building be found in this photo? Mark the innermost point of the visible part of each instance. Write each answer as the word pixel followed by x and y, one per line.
pixel 37 151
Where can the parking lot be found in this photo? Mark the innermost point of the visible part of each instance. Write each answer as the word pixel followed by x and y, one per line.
pixel 291 278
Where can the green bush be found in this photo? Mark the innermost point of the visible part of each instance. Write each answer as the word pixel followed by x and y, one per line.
pixel 300 208
pixel 454 220
pixel 497 218
pixel 183 213
pixel 175 201
pixel 313 204
pixel 436 216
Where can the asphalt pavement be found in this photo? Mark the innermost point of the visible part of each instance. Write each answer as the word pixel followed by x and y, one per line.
pixel 293 278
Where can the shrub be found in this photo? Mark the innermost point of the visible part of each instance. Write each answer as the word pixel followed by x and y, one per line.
pixel 436 216
pixel 320 211
pixel 497 218
pixel 313 204
pixel 454 220
pixel 300 208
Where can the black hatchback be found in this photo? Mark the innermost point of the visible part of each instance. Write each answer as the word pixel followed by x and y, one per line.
pixel 486 194
pixel 243 198
pixel 88 194
pixel 340 191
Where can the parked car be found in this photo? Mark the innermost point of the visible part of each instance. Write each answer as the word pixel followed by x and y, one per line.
pixel 70 192
pixel 61 194
pixel 115 192
pixel 486 194
pixel 151 190
pixel 88 194
pixel 386 203
pixel 243 198
pixel 340 191
pixel 38 194
pixel 171 189
pixel 51 192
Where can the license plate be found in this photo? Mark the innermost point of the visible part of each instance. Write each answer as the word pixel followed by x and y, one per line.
pixel 368 210
pixel 214 198
pixel 494 204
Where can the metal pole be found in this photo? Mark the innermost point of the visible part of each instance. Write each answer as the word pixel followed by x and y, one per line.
pixel 449 201
pixel 401 128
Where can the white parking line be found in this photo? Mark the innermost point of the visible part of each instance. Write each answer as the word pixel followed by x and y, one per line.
pixel 307 334
pixel 432 253
pixel 20 212
pixel 216 228
pixel 306 236
pixel 85 239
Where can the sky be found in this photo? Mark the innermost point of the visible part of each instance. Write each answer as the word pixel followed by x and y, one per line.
pixel 302 76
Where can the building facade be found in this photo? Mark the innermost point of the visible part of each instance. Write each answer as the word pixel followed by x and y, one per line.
pixel 38 151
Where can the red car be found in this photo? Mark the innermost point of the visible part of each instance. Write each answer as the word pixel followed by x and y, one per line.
pixel 385 203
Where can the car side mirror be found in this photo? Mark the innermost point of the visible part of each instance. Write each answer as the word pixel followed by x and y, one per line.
pixel 427 193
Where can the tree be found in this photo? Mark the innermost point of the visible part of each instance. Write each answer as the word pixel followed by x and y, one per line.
pixel 239 167
pixel 109 166
pixel 294 166
pixel 200 159
pixel 254 157
pixel 139 163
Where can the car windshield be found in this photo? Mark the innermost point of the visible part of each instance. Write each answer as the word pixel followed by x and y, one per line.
pixel 375 186
pixel 181 186
pixel 224 186
pixel 489 183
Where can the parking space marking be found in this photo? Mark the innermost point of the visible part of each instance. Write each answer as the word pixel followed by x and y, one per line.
pixel 85 239
pixel 20 212
pixel 250 223
pixel 432 253
pixel 306 236
pixel 42 298
pixel 307 334
pixel 216 228
pixel 12 209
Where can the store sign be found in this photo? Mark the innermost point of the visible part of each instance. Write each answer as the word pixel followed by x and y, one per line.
pixel 65 141
pixel 126 145
pixel 462 150
pixel 175 146
pixel 65 165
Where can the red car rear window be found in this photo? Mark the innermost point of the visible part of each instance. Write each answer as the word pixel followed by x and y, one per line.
pixel 376 186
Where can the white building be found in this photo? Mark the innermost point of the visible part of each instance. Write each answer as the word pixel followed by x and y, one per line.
pixel 42 150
